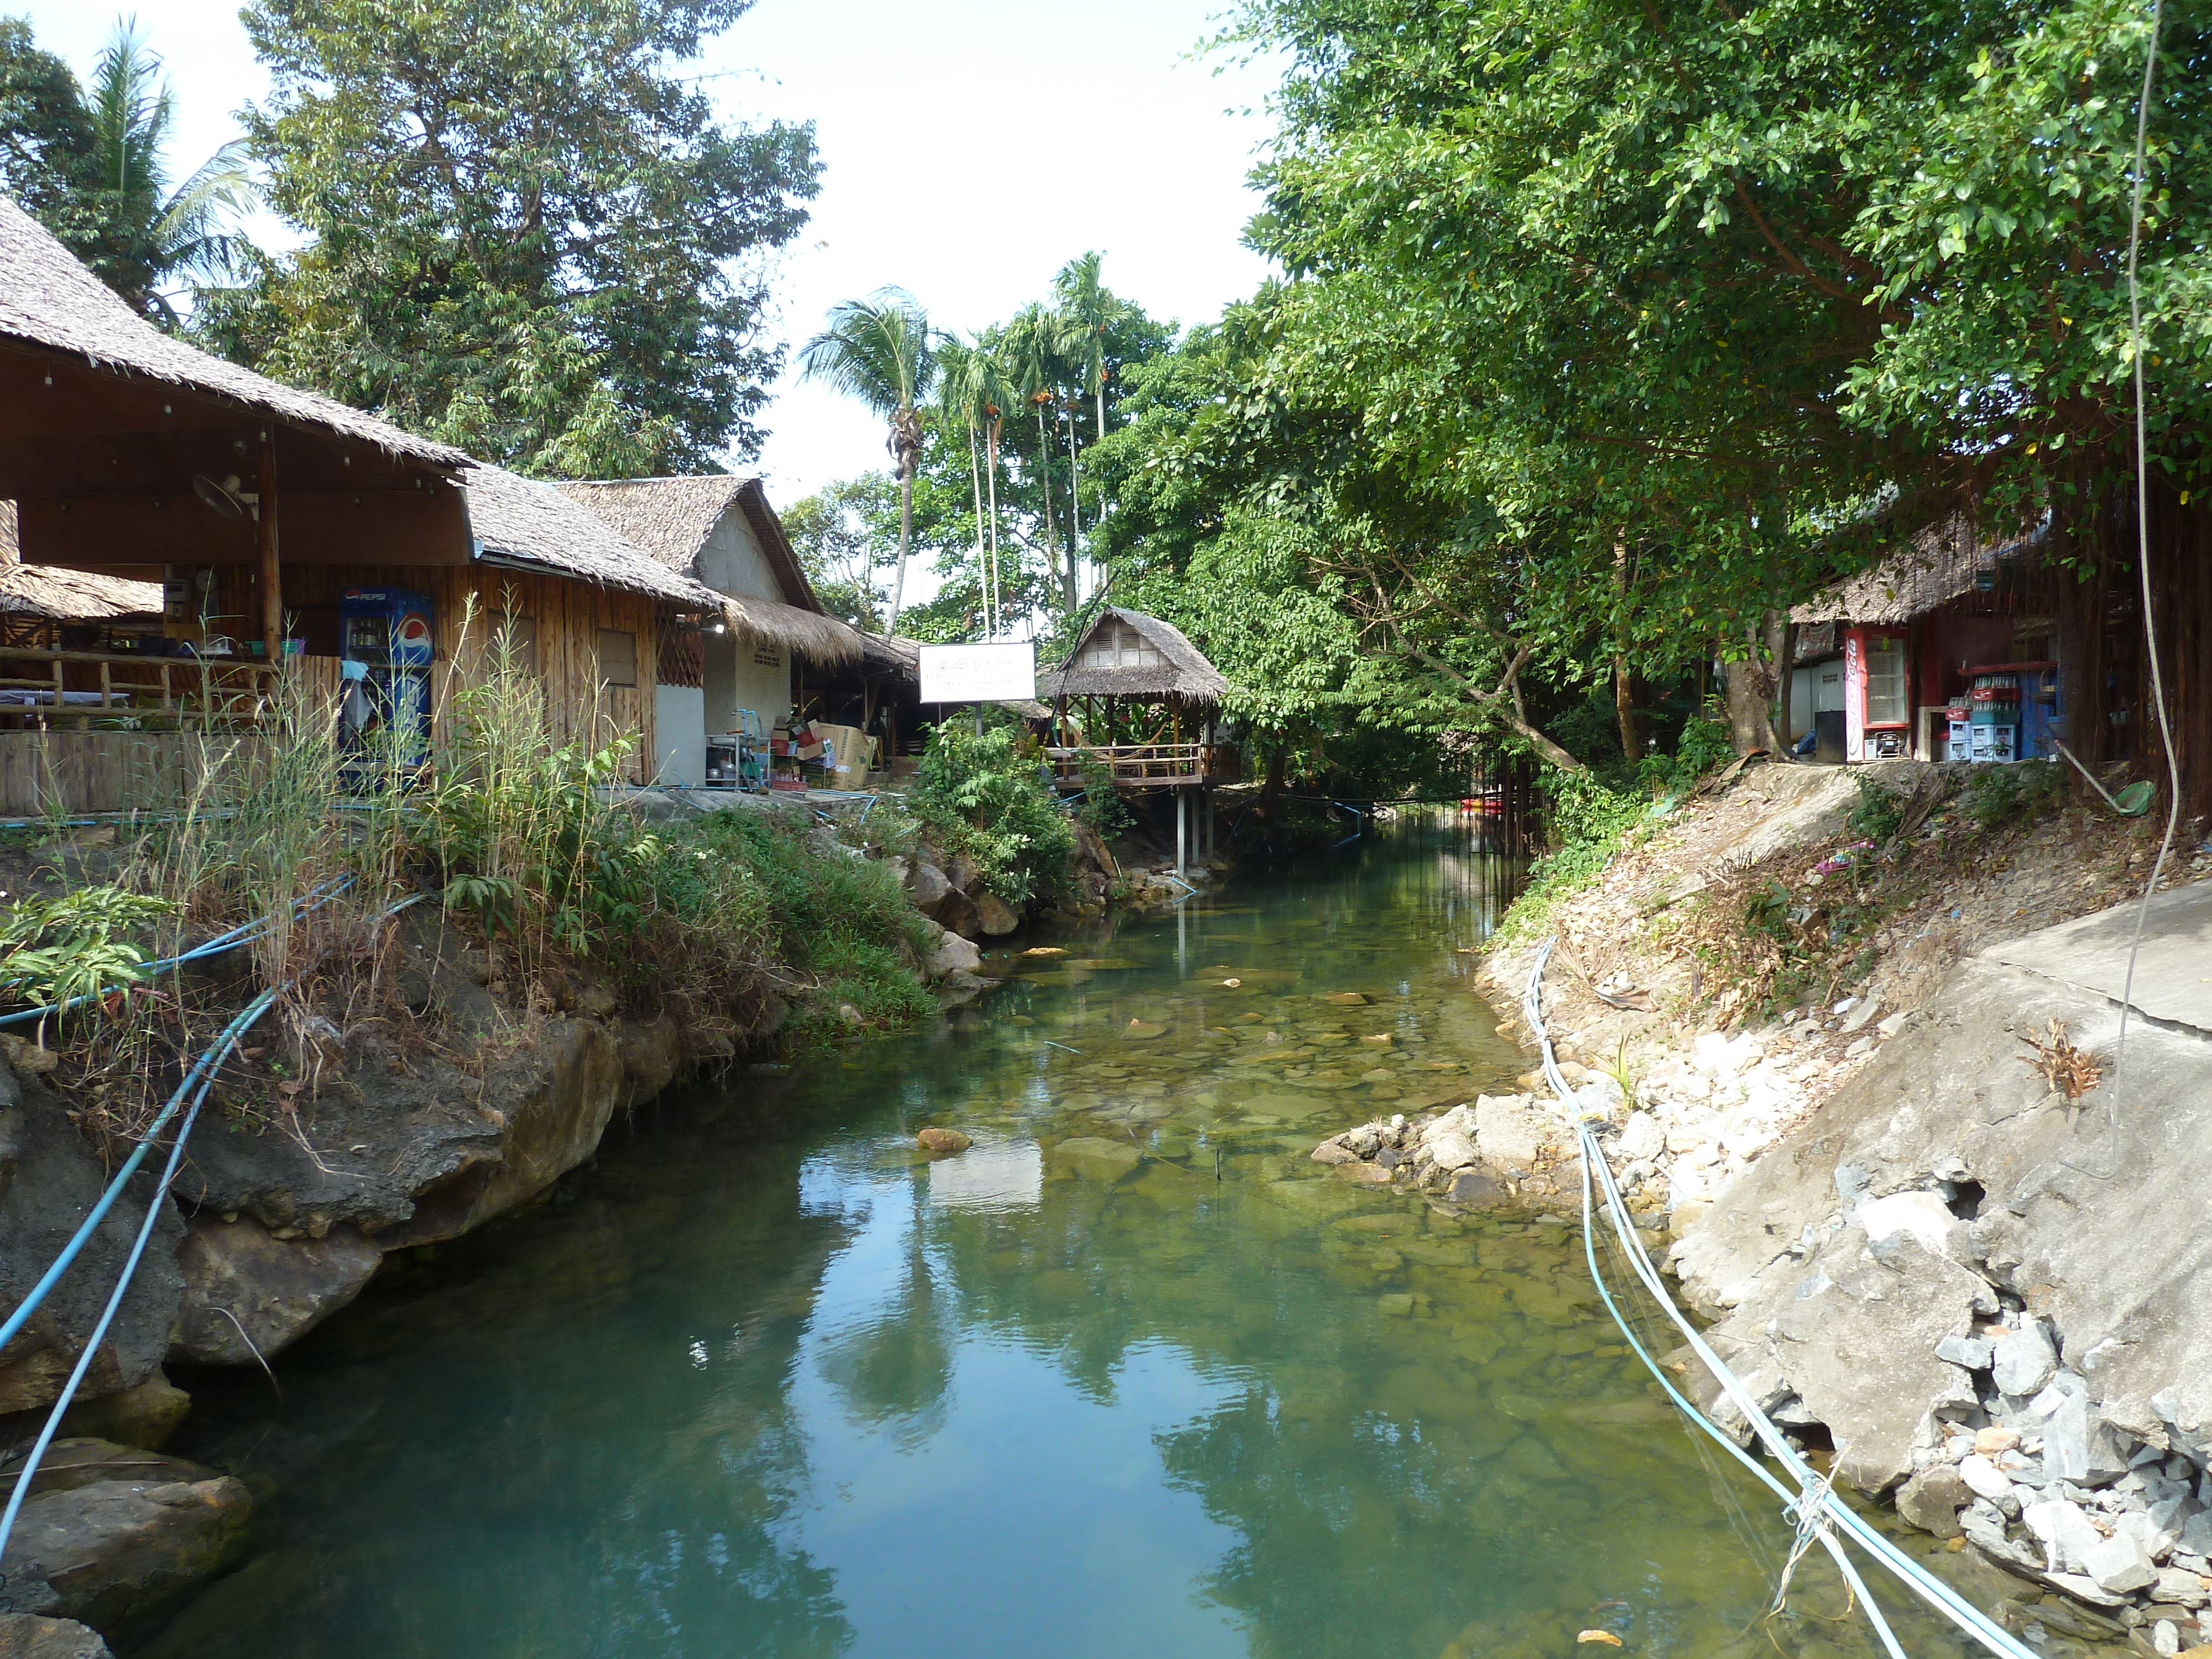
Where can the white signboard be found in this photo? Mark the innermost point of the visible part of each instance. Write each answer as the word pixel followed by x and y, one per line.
pixel 978 673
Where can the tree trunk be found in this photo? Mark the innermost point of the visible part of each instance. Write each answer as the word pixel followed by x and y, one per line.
pixel 1750 690
pixel 1782 646
pixel 1279 760
pixel 1044 472
pixel 982 571
pixel 1100 389
pixel 1073 585
pixel 998 608
pixel 906 535
pixel 1625 710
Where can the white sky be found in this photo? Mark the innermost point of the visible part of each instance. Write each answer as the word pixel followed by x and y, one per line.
pixel 970 148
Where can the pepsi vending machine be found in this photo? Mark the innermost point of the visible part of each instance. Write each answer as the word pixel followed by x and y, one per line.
pixel 387 646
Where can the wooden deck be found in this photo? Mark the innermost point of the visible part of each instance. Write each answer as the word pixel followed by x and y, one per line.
pixel 1150 765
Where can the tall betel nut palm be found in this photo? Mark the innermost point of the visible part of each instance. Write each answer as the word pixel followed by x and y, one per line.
pixel 881 350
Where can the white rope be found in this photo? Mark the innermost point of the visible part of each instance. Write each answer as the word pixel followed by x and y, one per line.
pixel 1598 1181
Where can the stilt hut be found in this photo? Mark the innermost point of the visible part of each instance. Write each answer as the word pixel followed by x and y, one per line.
pixel 1136 696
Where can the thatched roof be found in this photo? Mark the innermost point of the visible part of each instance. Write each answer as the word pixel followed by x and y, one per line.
pixel 1937 566
pixel 672 519
pixel 1127 653
pixel 47 299
pixel 56 594
pixel 525 525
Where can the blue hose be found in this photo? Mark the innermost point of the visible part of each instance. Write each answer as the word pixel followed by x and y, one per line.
pixel 206 1063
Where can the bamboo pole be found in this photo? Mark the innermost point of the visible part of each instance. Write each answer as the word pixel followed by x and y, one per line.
pixel 272 596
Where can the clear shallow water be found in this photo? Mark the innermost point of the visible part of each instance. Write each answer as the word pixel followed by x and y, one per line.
pixel 1132 1376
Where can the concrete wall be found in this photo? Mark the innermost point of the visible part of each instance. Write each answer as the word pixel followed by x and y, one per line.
pixel 679 717
pixel 741 671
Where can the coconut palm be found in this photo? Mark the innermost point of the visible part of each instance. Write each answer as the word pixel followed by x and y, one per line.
pixel 881 350
pixel 142 238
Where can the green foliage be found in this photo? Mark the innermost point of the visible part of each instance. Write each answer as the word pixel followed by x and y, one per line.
pixel 1879 813
pixel 1998 796
pixel 73 944
pixel 844 534
pixel 986 796
pixel 1589 819
pixel 91 163
pixel 768 886
pixel 1098 808
pixel 1702 748
pixel 527 233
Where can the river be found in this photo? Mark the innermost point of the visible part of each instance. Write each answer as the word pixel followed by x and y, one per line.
pixel 1131 1377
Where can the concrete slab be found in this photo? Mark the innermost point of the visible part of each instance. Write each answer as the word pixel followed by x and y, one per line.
pixel 2173 970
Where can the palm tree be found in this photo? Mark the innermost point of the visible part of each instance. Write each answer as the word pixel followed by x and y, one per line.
pixel 1090 311
pixel 881 350
pixel 1038 341
pixel 149 235
pixel 976 395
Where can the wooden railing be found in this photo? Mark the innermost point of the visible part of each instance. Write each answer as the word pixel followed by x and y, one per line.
pixel 43 690
pixel 1156 764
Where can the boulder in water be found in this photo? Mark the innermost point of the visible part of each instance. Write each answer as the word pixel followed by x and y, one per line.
pixel 942 1143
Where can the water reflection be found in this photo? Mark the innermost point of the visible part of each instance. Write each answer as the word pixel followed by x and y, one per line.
pixel 1131 1375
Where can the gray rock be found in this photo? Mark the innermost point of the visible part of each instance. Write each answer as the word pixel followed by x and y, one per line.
pixel 121 1551
pixel 1987 1481
pixel 1854 1333
pixel 2023 1360
pixel 1510 1131
pixel 26 1636
pixel 2065 1532
pixel 1641 1137
pixel 958 912
pixel 953 954
pixel 2179 1588
pixel 1450 1150
pixel 1475 1186
pixel 2119 1565
pixel 1931 1500
pixel 248 1296
pixel 930 888
pixel 1946 1099
pixel 2085 1589
pixel 86 1461
pixel 2197 1535
pixel 1971 1351
pixel 993 914
pixel 2077 1446
pixel 144 1416
pixel 56 1179
pixel 2165 1638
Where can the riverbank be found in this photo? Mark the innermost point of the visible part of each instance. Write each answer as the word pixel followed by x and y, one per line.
pixel 431 1076
pixel 1864 1065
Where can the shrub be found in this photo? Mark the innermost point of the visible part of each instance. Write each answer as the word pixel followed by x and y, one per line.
pixel 988 796
pixel 1587 821
pixel 1997 796
pixel 1879 814
pixel 1703 747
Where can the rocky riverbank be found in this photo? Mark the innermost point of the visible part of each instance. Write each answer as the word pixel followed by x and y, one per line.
pixel 1918 1207
pixel 463 1096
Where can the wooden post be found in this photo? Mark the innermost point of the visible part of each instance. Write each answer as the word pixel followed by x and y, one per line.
pixel 272 594
pixel 1182 816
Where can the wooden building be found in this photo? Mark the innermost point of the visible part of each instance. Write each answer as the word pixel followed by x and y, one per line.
pixel 132 458
pixel 1880 663
pixel 1148 705
pixel 746 675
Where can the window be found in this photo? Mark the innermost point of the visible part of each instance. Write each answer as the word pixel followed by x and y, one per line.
pixel 1120 646
pixel 1885 692
pixel 618 657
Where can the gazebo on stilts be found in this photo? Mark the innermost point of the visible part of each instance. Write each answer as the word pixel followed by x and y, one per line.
pixel 1138 677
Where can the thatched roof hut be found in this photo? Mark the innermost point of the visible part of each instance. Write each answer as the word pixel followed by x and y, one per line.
pixel 677 521
pixel 1127 653
pixel 47 299
pixel 50 594
pixel 1938 565
pixel 520 524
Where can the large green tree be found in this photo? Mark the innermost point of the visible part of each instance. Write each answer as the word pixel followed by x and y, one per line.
pixel 91 163
pixel 528 233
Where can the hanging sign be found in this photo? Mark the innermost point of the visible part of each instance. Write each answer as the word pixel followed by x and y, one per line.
pixel 978 673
